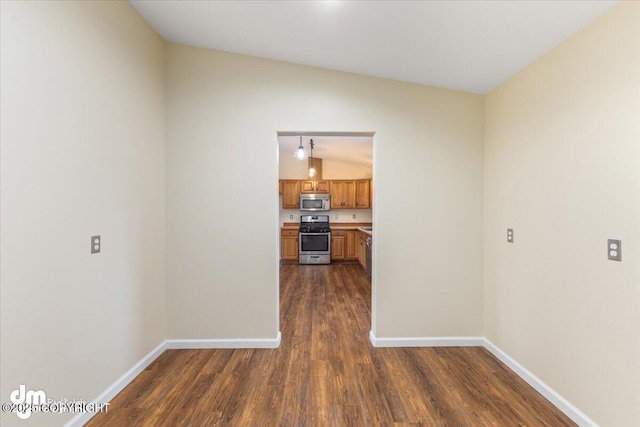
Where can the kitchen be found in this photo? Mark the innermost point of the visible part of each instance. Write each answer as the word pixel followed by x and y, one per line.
pixel 326 195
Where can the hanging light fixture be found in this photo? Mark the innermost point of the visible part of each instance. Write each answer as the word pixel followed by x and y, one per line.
pixel 300 153
pixel 312 169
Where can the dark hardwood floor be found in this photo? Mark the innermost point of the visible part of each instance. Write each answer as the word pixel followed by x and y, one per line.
pixel 326 373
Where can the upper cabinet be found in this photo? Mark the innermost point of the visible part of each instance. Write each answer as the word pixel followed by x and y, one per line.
pixel 290 194
pixel 322 187
pixel 345 194
pixel 363 198
pixel 313 187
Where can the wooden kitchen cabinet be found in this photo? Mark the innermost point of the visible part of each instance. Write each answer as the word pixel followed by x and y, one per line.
pixel 350 245
pixel 344 245
pixel 314 187
pixel 337 245
pixel 289 244
pixel 322 187
pixel 307 187
pixel 362 249
pixel 343 194
pixel 363 199
pixel 290 194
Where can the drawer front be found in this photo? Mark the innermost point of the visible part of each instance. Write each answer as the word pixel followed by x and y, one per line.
pixel 338 232
pixel 289 232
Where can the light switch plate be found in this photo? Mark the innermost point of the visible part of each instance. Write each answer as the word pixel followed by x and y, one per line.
pixel 614 250
pixel 95 244
pixel 510 235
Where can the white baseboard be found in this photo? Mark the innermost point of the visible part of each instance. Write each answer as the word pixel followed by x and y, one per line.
pixel 426 341
pixel 225 343
pixel 115 388
pixel 541 387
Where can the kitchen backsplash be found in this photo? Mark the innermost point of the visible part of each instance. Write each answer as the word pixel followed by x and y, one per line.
pixel 335 215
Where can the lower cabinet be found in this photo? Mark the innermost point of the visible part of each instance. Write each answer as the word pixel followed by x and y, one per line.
pixel 362 249
pixel 289 244
pixel 350 247
pixel 344 245
pixel 337 244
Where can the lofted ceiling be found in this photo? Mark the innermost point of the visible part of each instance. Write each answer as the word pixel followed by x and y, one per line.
pixel 471 46
pixel 354 149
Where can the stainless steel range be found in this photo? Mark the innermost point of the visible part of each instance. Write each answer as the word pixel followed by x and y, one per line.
pixel 315 240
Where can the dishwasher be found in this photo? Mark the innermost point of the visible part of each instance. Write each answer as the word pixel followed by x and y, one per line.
pixel 369 242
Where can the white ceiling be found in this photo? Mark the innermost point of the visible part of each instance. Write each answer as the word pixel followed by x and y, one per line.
pixel 466 45
pixel 347 148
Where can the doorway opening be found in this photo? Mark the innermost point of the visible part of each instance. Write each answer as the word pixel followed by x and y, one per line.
pixel 337 170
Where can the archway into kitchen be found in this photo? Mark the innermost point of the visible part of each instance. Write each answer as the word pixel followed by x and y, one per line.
pixel 325 229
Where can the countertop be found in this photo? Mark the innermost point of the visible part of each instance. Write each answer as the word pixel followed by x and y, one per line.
pixel 334 226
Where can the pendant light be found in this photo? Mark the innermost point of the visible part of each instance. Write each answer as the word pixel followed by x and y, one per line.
pixel 312 169
pixel 300 153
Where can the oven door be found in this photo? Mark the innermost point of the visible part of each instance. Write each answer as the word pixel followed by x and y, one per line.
pixel 315 243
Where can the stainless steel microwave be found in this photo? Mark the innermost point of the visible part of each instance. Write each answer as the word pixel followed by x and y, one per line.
pixel 315 202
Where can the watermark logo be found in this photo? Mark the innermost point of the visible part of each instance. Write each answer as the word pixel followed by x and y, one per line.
pixel 25 402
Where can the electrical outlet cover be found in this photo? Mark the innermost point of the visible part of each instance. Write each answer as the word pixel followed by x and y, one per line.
pixel 95 244
pixel 614 250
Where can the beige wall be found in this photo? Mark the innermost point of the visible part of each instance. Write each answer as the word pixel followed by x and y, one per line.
pixel 82 153
pixel 428 169
pixel 562 167
pixel 341 170
pixel 291 168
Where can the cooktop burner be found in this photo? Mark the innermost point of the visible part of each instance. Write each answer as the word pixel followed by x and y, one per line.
pixel 314 224
pixel 314 229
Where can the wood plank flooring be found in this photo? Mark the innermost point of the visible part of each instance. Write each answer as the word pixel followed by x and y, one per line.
pixel 326 373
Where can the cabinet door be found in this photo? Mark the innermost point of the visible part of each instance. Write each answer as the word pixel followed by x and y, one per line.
pixel 350 246
pixel 349 198
pixel 362 249
pixel 322 187
pixel 337 190
pixel 314 187
pixel 307 187
pixel 343 194
pixel 290 194
pixel 337 247
pixel 289 245
pixel 362 194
